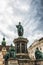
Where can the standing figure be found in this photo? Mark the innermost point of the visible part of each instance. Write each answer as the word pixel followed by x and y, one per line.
pixel 20 29
pixel 4 42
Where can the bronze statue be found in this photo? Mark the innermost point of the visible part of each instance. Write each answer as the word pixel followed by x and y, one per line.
pixel 38 54
pixel 7 56
pixel 10 54
pixel 12 51
pixel 3 42
pixel 20 29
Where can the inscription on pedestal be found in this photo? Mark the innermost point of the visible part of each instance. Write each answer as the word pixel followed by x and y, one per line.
pixel 12 62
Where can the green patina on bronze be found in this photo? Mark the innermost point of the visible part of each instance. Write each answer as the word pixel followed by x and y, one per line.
pixel 38 54
pixel 20 29
pixel 3 42
pixel 7 56
pixel 11 53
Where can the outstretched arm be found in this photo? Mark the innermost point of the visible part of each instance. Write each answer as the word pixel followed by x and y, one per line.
pixel 17 26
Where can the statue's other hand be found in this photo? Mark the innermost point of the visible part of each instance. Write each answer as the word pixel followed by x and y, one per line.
pixel 17 26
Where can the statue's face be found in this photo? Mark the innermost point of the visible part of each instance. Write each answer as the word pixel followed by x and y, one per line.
pixel 3 38
pixel 19 23
pixel 37 48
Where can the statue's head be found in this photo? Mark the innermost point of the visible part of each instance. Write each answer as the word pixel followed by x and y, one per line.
pixel 19 23
pixel 3 38
pixel 37 48
pixel 12 48
pixel 11 45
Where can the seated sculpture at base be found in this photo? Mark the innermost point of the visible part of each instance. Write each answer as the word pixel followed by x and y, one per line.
pixel 10 54
pixel 38 54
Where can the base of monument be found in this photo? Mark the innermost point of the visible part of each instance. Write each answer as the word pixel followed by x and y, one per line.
pixel 12 61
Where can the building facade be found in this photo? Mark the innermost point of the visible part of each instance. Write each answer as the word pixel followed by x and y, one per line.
pixel 32 48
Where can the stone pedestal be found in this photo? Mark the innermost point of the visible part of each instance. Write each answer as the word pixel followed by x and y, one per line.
pixel 39 62
pixel 12 62
pixel 21 47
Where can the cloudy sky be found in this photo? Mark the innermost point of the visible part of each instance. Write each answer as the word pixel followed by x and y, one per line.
pixel 28 12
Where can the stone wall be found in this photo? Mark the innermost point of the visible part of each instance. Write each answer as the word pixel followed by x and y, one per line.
pixel 39 62
pixel 25 62
pixel 12 62
pixel 31 62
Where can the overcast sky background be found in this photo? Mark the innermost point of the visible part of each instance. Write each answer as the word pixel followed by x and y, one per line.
pixel 28 12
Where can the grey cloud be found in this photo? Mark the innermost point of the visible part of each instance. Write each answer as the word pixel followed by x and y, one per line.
pixel 36 5
pixel 40 26
pixel 42 2
pixel 3 34
pixel 12 28
pixel 33 14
